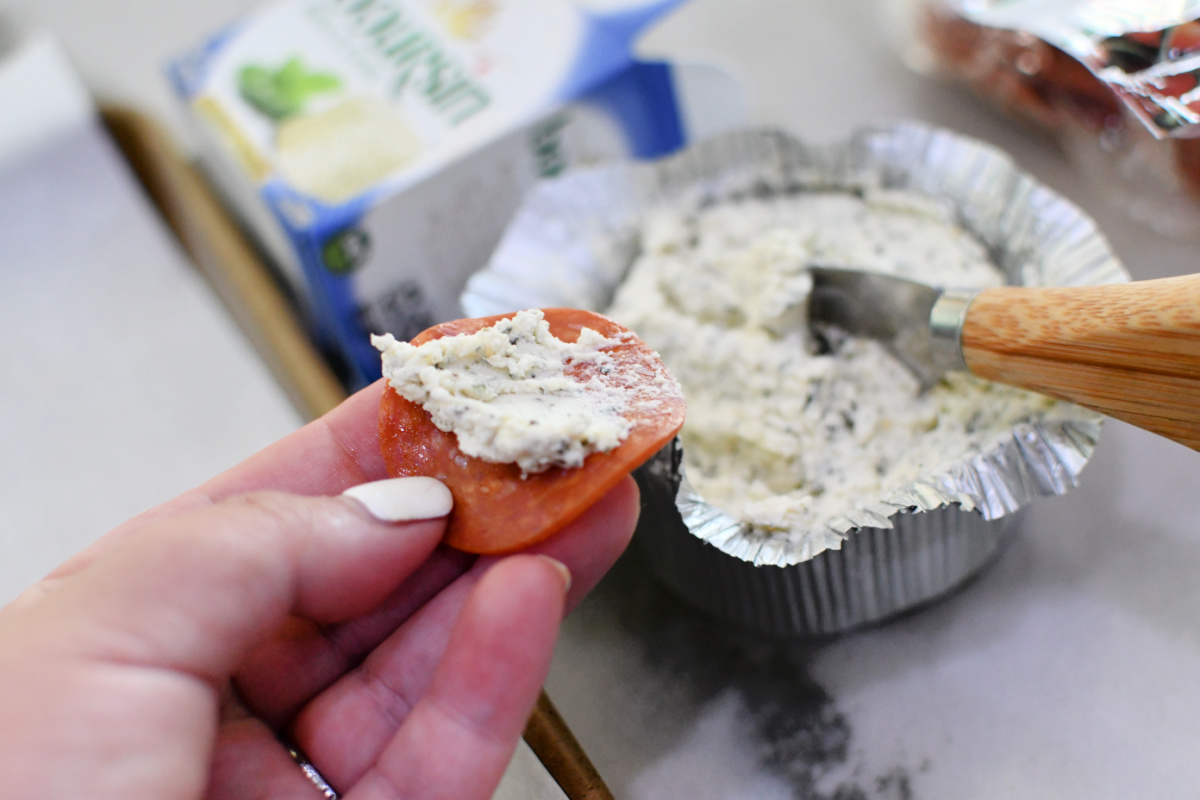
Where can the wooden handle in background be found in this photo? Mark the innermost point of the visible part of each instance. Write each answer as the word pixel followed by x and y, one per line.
pixel 228 260
pixel 1131 351
pixel 548 736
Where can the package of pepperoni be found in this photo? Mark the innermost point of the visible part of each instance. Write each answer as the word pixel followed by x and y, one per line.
pixel 1114 80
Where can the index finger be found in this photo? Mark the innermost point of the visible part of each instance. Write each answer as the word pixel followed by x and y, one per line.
pixel 325 457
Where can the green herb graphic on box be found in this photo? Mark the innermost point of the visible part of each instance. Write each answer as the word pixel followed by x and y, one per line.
pixel 282 93
pixel 346 251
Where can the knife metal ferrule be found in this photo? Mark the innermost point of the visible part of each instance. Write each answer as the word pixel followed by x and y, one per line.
pixel 945 329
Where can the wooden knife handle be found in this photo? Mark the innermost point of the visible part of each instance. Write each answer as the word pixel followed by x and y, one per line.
pixel 1131 351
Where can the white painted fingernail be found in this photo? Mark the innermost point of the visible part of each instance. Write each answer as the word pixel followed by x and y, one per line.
pixel 403 499
pixel 563 570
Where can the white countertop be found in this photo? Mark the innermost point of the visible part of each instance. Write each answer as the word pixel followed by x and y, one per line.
pixel 1067 670
pixel 124 380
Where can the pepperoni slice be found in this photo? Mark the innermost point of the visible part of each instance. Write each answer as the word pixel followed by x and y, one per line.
pixel 496 510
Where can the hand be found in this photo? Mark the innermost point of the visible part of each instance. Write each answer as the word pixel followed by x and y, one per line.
pixel 166 660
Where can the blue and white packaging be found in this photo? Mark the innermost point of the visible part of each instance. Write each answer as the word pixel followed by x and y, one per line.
pixel 377 148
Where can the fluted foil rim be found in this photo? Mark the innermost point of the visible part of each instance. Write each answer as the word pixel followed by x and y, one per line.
pixel 574 238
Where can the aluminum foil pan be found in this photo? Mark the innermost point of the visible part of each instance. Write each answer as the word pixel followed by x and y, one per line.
pixel 575 237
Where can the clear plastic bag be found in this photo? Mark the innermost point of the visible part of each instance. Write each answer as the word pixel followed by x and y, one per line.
pixel 1115 82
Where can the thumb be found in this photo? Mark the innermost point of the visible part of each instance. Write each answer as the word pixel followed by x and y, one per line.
pixel 195 592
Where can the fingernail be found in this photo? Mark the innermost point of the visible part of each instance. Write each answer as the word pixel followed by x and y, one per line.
pixel 563 571
pixel 403 499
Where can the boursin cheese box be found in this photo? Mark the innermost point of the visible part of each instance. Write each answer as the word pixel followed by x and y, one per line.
pixel 377 148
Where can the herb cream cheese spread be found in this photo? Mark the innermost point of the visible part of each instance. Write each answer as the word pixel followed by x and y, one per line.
pixel 788 431
pixel 509 392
